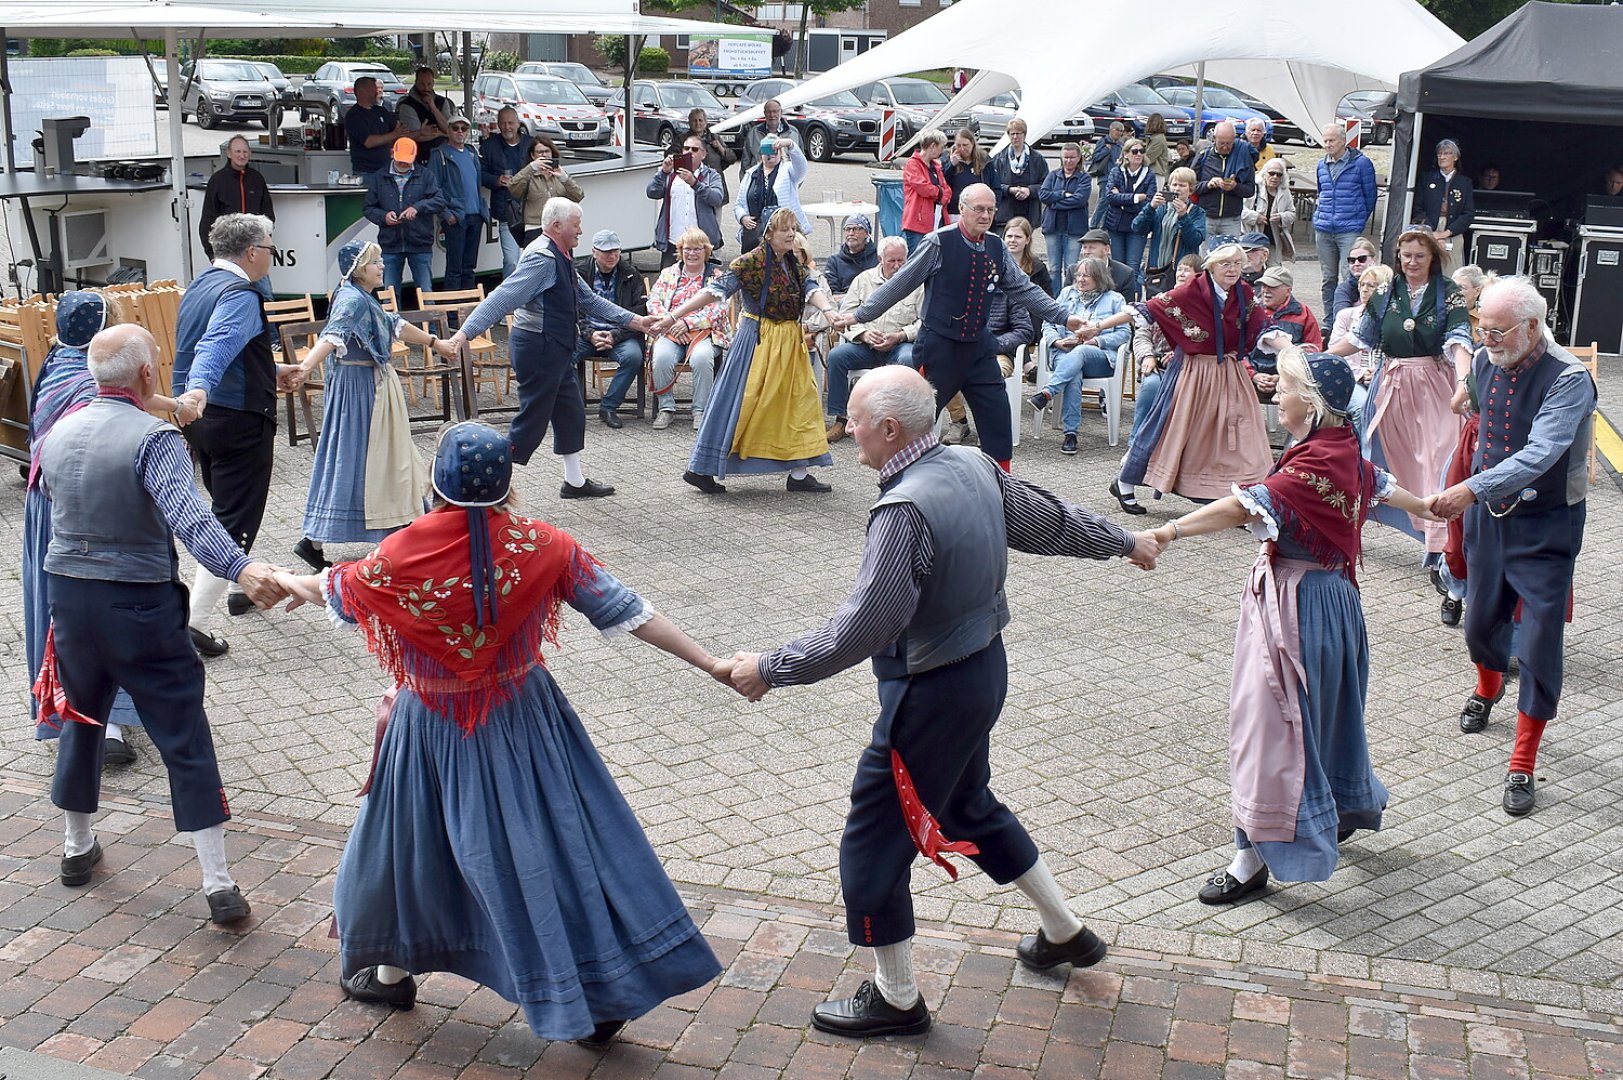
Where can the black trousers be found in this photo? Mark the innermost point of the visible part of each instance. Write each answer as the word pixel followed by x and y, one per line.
pixel 940 723
pixel 235 451
pixel 548 394
pixel 969 368
pixel 110 634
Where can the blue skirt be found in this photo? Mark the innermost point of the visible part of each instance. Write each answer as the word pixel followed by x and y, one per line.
pixel 508 856
pixel 37 610
pixel 335 511
pixel 712 447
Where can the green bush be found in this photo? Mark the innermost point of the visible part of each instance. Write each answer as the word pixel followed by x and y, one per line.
pixel 91 52
pixel 654 61
pixel 651 61
pixel 501 60
pixel 612 47
pixel 78 47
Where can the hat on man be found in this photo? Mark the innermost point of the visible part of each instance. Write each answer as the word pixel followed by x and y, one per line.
pixel 80 316
pixel 859 221
pixel 1253 241
pixel 1275 276
pixel 1095 236
pixel 606 240
pixel 457 118
pixel 405 149
pixel 1334 378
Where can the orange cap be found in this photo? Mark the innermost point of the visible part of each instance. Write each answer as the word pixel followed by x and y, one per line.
pixel 405 149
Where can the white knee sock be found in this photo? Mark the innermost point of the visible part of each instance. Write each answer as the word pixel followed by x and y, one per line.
pixel 893 973
pixel 318 545
pixel 389 976
pixel 1247 861
pixel 78 837
pixel 206 592
pixel 574 475
pixel 210 845
pixel 1059 922
pixel 115 732
pixel 799 474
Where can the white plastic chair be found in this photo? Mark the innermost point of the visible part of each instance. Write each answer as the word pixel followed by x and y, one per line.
pixel 1014 387
pixel 1108 389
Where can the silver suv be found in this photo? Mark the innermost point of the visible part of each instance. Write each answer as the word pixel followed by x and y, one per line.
pixel 333 85
pixel 225 90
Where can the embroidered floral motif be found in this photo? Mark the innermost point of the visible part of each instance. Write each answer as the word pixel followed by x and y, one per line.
pixel 1332 496
pixel 1191 329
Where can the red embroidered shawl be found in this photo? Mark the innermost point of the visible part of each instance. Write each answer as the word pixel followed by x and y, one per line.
pixel 1322 491
pixel 1186 315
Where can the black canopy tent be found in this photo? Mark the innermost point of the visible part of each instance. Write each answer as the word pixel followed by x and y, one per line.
pixel 1536 96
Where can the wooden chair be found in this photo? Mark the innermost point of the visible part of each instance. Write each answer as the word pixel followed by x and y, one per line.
pixel 279 313
pixel 155 309
pixel 398 351
pixel 297 339
pixel 487 362
pixel 460 404
pixel 1589 356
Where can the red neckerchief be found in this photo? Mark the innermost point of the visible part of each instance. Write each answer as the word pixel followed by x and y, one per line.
pixel 1322 491
pixel 1186 315
pixel 922 825
pixel 414 599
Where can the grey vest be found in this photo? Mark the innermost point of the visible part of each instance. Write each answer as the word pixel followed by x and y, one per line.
pixel 962 608
pixel 104 524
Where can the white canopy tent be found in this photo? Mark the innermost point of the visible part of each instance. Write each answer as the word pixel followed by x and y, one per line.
pixel 1300 57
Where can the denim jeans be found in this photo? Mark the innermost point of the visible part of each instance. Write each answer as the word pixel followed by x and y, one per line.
pixel 1215 227
pixel 510 248
pixel 628 354
pixel 462 242
pixel 1148 391
pixel 849 356
pixel 667 354
pixel 1128 247
pixel 1070 368
pixel 1063 250
pixel 422 271
pixel 912 239
pixel 1333 251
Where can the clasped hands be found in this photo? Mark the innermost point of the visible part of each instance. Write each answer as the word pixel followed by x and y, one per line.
pixel 742 672
pixel 1451 503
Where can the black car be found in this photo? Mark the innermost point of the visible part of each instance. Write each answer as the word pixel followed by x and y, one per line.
pixel 837 124
pixel 1377 113
pixel 1134 104
pixel 916 102
pixel 1285 131
pixel 659 110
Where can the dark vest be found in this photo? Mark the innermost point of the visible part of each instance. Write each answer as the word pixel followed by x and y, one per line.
pixel 560 318
pixel 1510 401
pixel 249 382
pixel 104 524
pixel 961 608
pixel 960 294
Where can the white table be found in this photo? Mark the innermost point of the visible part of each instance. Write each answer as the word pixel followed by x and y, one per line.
pixel 835 214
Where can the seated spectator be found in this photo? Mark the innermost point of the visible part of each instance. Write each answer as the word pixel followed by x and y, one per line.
pixel 1123 278
pixel 1152 351
pixel 612 278
pixel 926 195
pixel 1347 321
pixel 700 338
pixel 1282 312
pixel 1363 255
pixel 538 182
pixel 1091 297
pixel 772 182
pixel 1176 227
pixel 1064 194
pixel 967 163
pixel 1017 234
pixel 887 340
pixel 402 202
pixel 856 254
pixel 1258 251
pixel 1271 211
pixel 689 193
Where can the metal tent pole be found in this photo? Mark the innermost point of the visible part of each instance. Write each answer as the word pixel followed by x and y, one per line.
pixel 177 149
pixel 5 107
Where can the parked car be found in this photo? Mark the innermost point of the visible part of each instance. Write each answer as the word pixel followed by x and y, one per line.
pixel 449 61
pixel 659 110
pixel 546 105
pixel 333 84
pixel 1218 105
pixel 837 124
pixel 273 74
pixel 916 101
pixel 596 90
pixel 993 116
pixel 1377 113
pixel 1134 104
pixel 1285 130
pixel 225 90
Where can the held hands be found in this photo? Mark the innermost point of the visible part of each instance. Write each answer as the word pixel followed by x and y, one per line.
pixel 1450 504
pixel 842 320
pixel 189 406
pixel 289 377
pixel 746 675
pixel 258 580
pixel 1147 548
pixel 652 325
pixel 1460 403
pixel 451 347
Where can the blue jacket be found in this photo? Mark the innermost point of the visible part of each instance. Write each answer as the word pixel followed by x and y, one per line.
pixel 1346 204
pixel 1430 192
pixel 1065 202
pixel 1121 198
pixel 383 195
pixel 450 178
pixel 496 159
pixel 1191 231
pixel 1239 164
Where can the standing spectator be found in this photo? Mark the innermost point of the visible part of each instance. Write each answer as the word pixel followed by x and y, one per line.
pixel 402 202
pixel 1225 177
pixel 1064 194
pixel 771 125
pixel 855 254
pixel 463 220
pixel 1157 155
pixel 772 182
pixel 1091 297
pixel 602 336
pixel 717 154
pixel 700 339
pixel 1018 172
pixel 1445 204
pixel 1176 228
pixel 239 188
pixel 1130 188
pixel 1256 133
pixel 502 155
pixel 1346 181
pixel 371 128
pixel 538 183
pixel 967 163
pixel 960 79
pixel 1360 360
pixel 689 193
pixel 926 195
pixel 425 115
pixel 1363 255
pixel 887 340
pixel 1271 210
pixel 1488 178
pixel 1106 154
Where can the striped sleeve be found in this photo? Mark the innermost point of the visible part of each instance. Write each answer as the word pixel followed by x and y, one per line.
pixel 165 469
pixel 1040 523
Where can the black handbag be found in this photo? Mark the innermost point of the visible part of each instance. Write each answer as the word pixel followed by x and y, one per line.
pixel 1159 281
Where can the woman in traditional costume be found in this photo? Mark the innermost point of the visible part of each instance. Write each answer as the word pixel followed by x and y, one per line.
pixel 764 414
pixel 491 841
pixel 367 480
pixel 1298 754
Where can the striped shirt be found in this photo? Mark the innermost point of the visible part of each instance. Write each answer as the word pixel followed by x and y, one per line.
pixel 165 469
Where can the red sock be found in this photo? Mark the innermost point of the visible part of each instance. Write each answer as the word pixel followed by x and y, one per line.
pixel 1003 463
pixel 1524 757
pixel 1489 683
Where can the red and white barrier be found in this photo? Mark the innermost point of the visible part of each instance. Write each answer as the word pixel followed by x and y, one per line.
pixel 1355 129
pixel 887 134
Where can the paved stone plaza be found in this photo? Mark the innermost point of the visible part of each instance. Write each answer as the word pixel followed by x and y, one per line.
pixel 1456 942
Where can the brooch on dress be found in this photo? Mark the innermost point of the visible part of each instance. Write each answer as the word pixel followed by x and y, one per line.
pixel 1408 326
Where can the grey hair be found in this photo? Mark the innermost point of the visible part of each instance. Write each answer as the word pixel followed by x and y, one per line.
pixel 233 235
pixel 1293 366
pixel 1522 297
pixel 888 242
pixel 1097 269
pixel 1366 244
pixel 120 366
pixel 1473 276
pixel 1450 145
pixel 1261 124
pixel 559 209
pixel 1223 254
pixel 932 137
pixel 910 402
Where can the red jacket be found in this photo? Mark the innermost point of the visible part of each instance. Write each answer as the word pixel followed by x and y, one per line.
pixel 924 186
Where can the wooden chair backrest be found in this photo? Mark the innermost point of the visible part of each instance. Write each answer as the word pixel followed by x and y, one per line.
pixel 451 297
pixel 285 311
pixel 387 298
pixel 301 334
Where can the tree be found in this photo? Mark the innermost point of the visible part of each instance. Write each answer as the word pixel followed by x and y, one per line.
pixel 1468 18
pixel 822 8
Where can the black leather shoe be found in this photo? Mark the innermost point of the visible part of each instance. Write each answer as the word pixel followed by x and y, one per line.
pixel 868 1015
pixel 364 986
pixel 707 484
pixel 1452 610
pixel 117 752
pixel 208 644
pixel 228 906
pixel 809 483
pixel 602 1033
pixel 1039 954
pixel 311 555
pixel 1343 835
pixel 1129 502
pixel 238 603
pixel 610 419
pixel 1474 717
pixel 1436 576
pixel 1222 889
pixel 76 868
pixel 589 490
pixel 1518 794
pixel 1068 444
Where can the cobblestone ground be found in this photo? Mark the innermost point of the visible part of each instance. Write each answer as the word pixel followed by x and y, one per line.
pixel 1456 942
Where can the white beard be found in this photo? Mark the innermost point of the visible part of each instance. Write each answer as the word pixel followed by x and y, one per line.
pixel 1503 358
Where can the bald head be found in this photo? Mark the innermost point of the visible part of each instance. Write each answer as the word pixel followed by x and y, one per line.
pixel 124 357
pixel 977 207
pixel 1223 137
pixel 890 407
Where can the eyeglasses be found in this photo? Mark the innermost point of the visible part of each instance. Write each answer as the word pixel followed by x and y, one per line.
pixel 980 209
pixel 1354 260
pixel 266 247
pixel 1497 337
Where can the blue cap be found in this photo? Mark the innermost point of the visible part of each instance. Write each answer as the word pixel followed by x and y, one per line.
pixel 860 221
pixel 1251 241
pixel 473 465
pixel 349 254
pixel 1215 242
pixel 1334 378
pixel 80 316
pixel 606 240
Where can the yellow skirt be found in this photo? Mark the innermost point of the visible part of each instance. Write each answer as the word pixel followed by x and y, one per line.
pixel 780 417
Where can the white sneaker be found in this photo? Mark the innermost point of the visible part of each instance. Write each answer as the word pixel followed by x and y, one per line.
pixel 953 433
pixel 663 420
pixel 698 418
